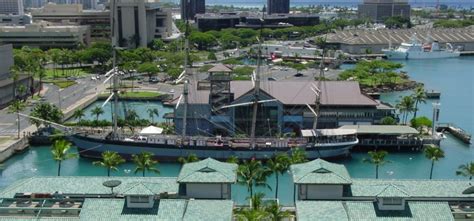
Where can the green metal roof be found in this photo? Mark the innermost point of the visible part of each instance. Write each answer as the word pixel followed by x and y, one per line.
pixel 207 210
pixel 382 129
pixel 413 188
pixel 165 209
pixel 208 171
pixel 320 172
pixel 320 210
pixel 366 210
pixel 88 185
pixel 392 190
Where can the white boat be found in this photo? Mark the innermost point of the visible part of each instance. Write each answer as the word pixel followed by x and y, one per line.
pixel 417 50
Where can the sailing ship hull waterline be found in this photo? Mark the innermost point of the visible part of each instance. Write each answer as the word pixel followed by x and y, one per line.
pixel 91 147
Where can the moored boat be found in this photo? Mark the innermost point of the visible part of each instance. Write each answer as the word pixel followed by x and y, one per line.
pixel 417 50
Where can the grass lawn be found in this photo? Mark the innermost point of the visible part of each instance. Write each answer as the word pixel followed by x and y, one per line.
pixel 4 139
pixel 61 83
pixel 70 72
pixel 138 94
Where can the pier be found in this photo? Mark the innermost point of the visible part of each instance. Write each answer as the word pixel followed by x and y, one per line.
pixel 456 131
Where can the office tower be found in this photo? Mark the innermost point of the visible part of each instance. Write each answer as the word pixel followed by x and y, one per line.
pixel 11 7
pixel 193 7
pixel 278 7
pixel 379 10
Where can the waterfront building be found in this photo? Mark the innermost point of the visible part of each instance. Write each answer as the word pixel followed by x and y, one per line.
pixel 12 20
pixel 44 36
pixel 7 92
pixel 140 22
pixel 359 41
pixel 379 10
pixel 11 7
pixel 193 7
pixel 207 179
pixel 107 198
pixel 278 7
pixel 74 14
pixel 213 21
pixel 325 191
pixel 342 104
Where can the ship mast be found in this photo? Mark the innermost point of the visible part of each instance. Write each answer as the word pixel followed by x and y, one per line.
pixel 256 89
pixel 317 90
pixel 186 73
pixel 115 76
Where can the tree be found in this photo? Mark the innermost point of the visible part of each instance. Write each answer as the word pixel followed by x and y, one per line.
pixel 144 162
pixel 149 68
pixel 256 212
pixel 212 56
pixel 433 153
pixel 377 158
pixel 97 111
pixel 190 159
pixel 17 106
pixel 421 122
pixel 157 44
pixel 152 112
pixel 298 156
pixel 46 111
pixel 388 121
pixel 60 152
pixel 419 96
pixel 406 106
pixel 466 170
pixel 276 213
pixel 78 114
pixel 233 159
pixel 279 164
pixel 110 160
pixel 252 173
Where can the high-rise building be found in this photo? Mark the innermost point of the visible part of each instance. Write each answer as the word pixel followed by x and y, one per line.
pixel 379 10
pixel 278 7
pixel 11 7
pixel 189 8
pixel 139 22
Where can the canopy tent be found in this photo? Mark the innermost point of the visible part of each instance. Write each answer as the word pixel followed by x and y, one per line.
pixel 151 130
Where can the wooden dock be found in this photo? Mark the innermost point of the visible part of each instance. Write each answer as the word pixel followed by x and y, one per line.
pixel 455 131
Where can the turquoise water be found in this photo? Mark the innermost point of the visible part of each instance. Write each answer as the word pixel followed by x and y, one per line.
pixel 140 107
pixel 453 77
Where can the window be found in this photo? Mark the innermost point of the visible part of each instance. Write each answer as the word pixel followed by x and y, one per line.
pixel 392 201
pixel 139 199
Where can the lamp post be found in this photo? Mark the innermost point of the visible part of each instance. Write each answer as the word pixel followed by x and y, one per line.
pixel 59 99
pixel 435 118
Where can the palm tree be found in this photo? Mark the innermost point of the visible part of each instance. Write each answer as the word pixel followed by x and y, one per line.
pixel 466 170
pixel 110 160
pixel 377 158
pixel 276 213
pixel 298 156
pixel 191 158
pixel 406 106
pixel 78 114
pixel 419 97
pixel 233 159
pixel 253 173
pixel 60 152
pixel 152 113
pixel 16 107
pixel 433 153
pixel 97 111
pixel 279 165
pixel 256 212
pixel 144 162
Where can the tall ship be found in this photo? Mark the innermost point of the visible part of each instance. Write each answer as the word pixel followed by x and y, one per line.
pixel 417 50
pixel 317 143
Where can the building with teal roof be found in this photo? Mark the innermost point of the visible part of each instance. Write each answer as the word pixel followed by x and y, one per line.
pixel 207 179
pixel 327 192
pixel 125 198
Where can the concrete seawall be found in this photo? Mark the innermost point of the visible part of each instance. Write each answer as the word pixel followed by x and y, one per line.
pixel 7 150
pixel 81 104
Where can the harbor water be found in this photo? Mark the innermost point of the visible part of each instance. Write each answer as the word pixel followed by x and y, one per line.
pixel 454 78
